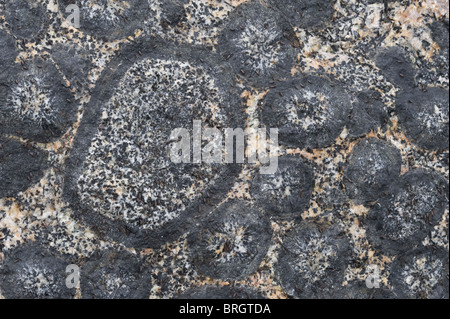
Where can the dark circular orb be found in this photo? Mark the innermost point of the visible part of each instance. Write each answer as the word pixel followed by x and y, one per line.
pixel 371 168
pixel 37 100
pixel 424 115
pixel 231 242
pixel 412 206
pixel 145 199
pixel 259 44
pixel 368 114
pixel 286 193
pixel 396 65
pixel 312 261
pixel 421 274
pixel 309 111
pixel 34 272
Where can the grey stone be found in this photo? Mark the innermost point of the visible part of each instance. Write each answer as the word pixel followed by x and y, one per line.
pixel 114 274
pixel 20 166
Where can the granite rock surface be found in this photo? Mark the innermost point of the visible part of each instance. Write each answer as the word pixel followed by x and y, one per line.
pixel 359 92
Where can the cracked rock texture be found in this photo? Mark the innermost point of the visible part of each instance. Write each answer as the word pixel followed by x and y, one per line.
pixel 357 88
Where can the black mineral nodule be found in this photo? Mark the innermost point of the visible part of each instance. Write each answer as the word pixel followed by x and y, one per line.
pixel 421 274
pixel 412 206
pixel 34 272
pixel 309 111
pixel 259 44
pixel 286 193
pixel 371 168
pixel 231 242
pixel 424 115
pixel 35 102
pixel 312 260
pixel 395 64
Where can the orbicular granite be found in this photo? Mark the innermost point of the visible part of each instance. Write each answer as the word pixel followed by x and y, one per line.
pixel 357 89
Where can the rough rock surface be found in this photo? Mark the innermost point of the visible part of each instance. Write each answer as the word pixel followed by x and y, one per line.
pixel 358 89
